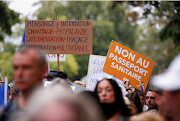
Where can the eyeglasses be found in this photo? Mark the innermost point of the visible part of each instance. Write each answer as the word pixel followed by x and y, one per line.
pixel 152 98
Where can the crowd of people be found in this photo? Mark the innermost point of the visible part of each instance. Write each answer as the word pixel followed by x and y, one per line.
pixel 64 100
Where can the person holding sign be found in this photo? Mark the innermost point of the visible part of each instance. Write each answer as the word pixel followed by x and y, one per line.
pixel 111 100
pixel 129 88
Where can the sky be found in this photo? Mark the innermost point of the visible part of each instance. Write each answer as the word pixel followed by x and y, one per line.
pixel 23 6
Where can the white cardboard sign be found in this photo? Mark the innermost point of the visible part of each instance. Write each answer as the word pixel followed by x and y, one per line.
pixel 53 57
pixel 95 72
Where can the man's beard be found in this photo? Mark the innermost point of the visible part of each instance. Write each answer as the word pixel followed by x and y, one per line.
pixel 153 106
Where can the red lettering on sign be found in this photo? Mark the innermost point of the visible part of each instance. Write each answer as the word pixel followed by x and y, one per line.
pixel 40 31
pixel 71 31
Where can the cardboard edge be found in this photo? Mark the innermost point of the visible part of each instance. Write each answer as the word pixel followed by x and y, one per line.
pixel 106 54
pixel 88 72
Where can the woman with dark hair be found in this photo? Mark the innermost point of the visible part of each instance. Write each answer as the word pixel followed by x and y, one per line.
pixel 111 99
pixel 135 100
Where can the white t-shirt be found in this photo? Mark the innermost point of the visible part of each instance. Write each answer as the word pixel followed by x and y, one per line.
pixel 145 108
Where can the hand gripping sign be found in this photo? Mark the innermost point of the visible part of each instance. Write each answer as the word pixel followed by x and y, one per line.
pixel 124 62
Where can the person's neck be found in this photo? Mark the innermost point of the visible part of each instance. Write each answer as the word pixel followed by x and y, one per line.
pixel 114 117
pixel 23 98
pixel 25 94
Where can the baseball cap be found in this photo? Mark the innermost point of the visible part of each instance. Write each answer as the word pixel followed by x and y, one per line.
pixel 170 80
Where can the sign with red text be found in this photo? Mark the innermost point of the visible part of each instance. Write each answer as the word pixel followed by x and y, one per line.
pixel 59 37
pixel 124 62
pixel 53 57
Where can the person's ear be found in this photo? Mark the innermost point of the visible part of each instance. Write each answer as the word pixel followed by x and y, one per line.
pixel 44 71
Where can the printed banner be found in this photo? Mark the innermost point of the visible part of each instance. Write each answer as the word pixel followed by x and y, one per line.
pixel 124 62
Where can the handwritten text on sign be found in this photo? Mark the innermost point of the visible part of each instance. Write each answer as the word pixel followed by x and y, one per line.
pixel 124 62
pixel 95 72
pixel 53 57
pixel 59 37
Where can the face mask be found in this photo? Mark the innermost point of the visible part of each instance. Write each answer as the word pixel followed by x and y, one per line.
pixel 109 109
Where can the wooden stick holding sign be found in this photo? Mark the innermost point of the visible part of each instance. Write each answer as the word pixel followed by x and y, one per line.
pixel 57 54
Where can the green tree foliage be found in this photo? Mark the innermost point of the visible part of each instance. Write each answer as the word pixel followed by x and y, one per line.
pixel 102 36
pixel 107 24
pixel 164 13
pixel 7 19
pixel 149 45
pixel 70 66
pixel 6 69
pixel 172 28
pixel 168 14
pixel 9 47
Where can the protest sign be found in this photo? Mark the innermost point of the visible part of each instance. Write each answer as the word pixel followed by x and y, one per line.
pixel 124 62
pixel 95 72
pixel 53 57
pixel 59 37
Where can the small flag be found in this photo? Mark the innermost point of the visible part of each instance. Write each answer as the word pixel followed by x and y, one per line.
pixel 23 39
pixel 29 17
pixel 3 92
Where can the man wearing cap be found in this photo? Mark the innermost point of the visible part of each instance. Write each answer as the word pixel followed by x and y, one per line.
pixel 55 73
pixel 168 100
